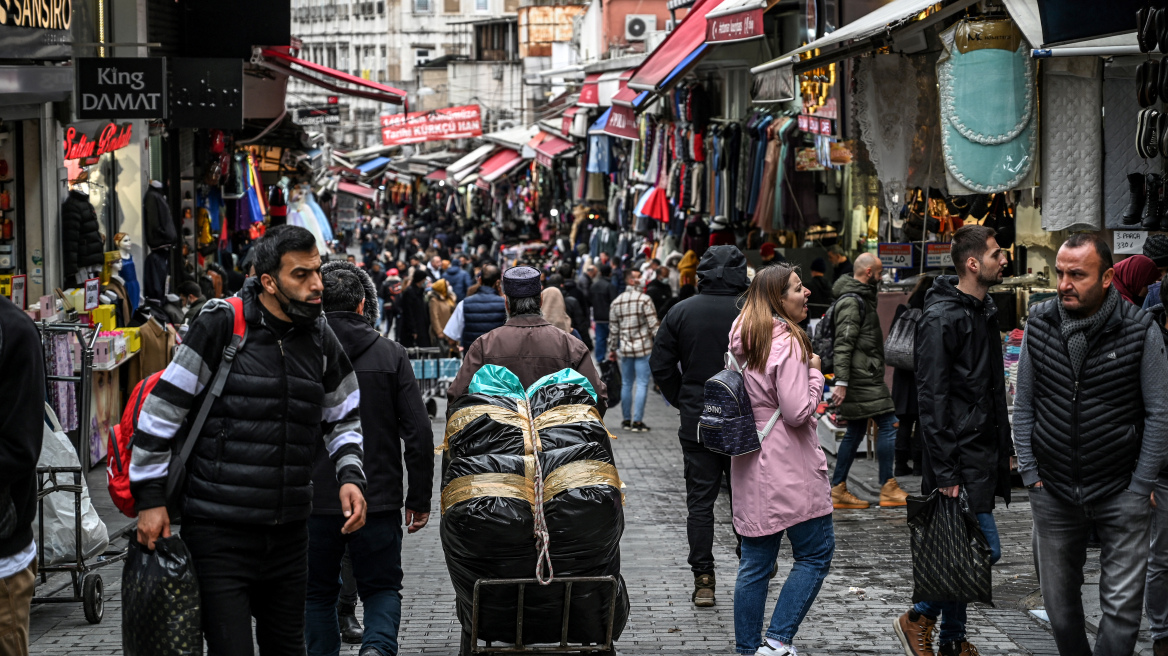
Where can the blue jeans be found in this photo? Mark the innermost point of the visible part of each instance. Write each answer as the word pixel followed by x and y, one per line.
pixel 601 340
pixel 813 543
pixel 885 447
pixel 952 613
pixel 634 368
pixel 376 554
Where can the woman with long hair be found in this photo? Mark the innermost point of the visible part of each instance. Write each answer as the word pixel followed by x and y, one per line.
pixel 783 487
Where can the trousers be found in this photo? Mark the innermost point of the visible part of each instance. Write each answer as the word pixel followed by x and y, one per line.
pixel 704 470
pixel 885 447
pixel 15 597
pixel 1156 599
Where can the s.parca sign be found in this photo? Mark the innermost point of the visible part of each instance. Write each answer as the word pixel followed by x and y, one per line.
pixel 121 87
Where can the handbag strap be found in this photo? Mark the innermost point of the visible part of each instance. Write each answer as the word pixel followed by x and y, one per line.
pixel 770 424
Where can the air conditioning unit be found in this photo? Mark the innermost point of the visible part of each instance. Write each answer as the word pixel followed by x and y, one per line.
pixel 669 25
pixel 636 25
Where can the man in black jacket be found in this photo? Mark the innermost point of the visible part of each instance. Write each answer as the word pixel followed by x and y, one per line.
pixel 964 424
pixel 22 411
pixel 290 393
pixel 600 295
pixel 696 335
pixel 414 329
pixel 658 290
pixel 1091 431
pixel 392 414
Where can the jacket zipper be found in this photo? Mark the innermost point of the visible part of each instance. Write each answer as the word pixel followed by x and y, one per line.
pixel 284 448
pixel 1075 442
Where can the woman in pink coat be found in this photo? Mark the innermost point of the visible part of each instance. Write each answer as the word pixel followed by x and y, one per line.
pixel 783 487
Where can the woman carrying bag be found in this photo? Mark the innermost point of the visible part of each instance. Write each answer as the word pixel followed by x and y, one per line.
pixel 782 487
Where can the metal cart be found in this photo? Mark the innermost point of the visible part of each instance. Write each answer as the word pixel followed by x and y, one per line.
pixel 427 363
pixel 470 641
pixel 87 584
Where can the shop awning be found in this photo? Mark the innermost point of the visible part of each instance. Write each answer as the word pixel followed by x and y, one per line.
pixel 499 164
pixel 327 78
pixel 360 191
pixel 735 20
pixel 466 162
pixel 674 5
pixel 590 92
pixel 622 123
pixel 550 148
pixel 613 83
pixel 686 65
pixel 688 37
pixel 436 176
pixel 373 165
pixel 515 138
pixel 1077 21
pixel 1035 18
pixel 567 119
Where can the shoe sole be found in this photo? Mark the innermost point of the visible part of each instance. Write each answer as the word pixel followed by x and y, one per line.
pixel 908 650
pixel 850 506
pixel 704 603
pixel 893 504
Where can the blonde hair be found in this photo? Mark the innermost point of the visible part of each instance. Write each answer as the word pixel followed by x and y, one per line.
pixel 764 301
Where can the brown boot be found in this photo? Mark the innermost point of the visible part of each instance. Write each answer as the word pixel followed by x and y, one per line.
pixel 916 636
pixel 892 495
pixel 841 498
pixel 1160 647
pixel 703 594
pixel 962 648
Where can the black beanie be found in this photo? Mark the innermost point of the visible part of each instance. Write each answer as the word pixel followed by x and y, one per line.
pixel 345 285
pixel 1156 248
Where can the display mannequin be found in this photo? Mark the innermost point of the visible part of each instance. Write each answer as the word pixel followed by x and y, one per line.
pixel 128 272
pixel 82 244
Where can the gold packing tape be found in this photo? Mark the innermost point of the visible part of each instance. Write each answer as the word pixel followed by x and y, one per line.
pixel 473 486
pixel 465 416
pixel 580 474
pixel 570 414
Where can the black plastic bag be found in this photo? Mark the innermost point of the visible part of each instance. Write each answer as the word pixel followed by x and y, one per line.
pixel 161 615
pixel 951 555
pixel 611 375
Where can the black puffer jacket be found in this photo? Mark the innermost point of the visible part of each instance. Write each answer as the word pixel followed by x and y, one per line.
pixel 964 424
pixel 81 242
pixel 22 422
pixel 159 223
pixel 696 334
pixel 392 412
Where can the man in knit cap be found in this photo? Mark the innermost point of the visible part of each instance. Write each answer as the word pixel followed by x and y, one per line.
pixel 1156 248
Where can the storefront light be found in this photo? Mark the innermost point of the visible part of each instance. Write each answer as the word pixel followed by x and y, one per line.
pixel 555 212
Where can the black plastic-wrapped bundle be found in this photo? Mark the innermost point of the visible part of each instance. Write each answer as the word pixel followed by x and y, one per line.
pixel 482 424
pixel 487 532
pixel 565 414
pixel 161 615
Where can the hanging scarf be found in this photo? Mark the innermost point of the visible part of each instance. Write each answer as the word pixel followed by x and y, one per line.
pixel 1079 332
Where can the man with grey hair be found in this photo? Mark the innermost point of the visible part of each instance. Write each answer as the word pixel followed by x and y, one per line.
pixel 392 415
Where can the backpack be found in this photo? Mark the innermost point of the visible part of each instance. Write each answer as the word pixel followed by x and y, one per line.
pixel 727 422
pixel 823 341
pixel 121 441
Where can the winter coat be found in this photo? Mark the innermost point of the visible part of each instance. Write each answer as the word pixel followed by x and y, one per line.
pixel 1159 314
pixel 571 288
pixel 659 292
pixel 159 222
pixel 859 353
pixel 600 297
pixel 392 413
pixel 81 242
pixel 414 329
pixel 579 318
pixel 458 280
pixel 785 482
pixel 964 425
pixel 22 422
pixel 441 307
pixel 482 312
pixel 695 334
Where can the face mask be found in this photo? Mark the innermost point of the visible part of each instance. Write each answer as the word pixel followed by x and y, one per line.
pixel 300 312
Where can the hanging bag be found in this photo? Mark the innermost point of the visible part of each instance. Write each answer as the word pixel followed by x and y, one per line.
pixel 898 347
pixel 727 422
pixel 950 553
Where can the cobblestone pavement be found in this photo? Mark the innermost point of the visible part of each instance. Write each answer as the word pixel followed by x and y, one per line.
pixel 869 585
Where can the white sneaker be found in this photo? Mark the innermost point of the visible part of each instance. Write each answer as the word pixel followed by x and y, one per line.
pixel 767 650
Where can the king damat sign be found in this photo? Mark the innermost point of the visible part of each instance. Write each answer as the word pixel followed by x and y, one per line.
pixel 121 87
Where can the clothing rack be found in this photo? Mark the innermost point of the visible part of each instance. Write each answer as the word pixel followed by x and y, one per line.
pixel 81 380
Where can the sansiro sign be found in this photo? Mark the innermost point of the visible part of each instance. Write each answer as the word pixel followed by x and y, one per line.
pixel 42 14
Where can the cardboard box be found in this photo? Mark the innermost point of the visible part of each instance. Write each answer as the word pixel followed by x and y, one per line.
pixel 105 315
pixel 133 339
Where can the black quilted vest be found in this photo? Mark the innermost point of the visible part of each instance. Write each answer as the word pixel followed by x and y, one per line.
pixel 253 462
pixel 1087 432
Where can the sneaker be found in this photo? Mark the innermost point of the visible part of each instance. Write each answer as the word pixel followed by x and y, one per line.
pixel 627 425
pixel 640 427
pixel 891 495
pixel 703 594
pixel 842 499
pixel 959 648
pixel 782 650
pixel 916 633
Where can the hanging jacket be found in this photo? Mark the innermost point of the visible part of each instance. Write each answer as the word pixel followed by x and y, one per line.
pixel 159 223
pixel 482 312
pixel 81 242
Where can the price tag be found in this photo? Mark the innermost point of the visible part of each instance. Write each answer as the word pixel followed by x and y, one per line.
pixel 895 256
pixel 1130 242
pixel 937 254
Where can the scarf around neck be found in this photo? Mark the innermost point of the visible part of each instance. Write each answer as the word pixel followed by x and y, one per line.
pixel 1079 332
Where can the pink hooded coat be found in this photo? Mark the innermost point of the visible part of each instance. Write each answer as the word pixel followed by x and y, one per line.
pixel 785 482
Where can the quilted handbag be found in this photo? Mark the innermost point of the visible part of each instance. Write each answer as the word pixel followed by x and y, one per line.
pixel 951 556
pixel 898 347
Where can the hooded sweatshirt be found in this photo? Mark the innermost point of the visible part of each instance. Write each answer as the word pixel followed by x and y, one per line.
pixel 695 334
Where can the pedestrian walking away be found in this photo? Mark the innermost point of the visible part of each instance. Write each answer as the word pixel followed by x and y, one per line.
pixel 959 370
pixel 290 391
pixel 689 348
pixel 484 310
pixel 394 422
pixel 633 321
pixel 600 295
pixel 1091 433
pixel 783 486
pixel 859 391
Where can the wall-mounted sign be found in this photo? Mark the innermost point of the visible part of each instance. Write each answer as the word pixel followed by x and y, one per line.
pixel 317 115
pixel 938 254
pixel 121 87
pixel 43 14
pixel 108 139
pixel 895 256
pixel 735 27
pixel 1130 242
pixel 206 93
pixel 621 123
pixel 449 123
pixel 816 125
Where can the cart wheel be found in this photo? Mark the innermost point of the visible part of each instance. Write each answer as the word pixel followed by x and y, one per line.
pixel 431 408
pixel 464 646
pixel 92 599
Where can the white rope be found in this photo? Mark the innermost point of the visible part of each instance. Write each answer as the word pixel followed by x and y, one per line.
pixel 542 538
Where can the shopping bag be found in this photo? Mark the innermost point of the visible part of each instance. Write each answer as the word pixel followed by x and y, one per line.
pixel 610 374
pixel 161 615
pixel 951 555
pixel 60 509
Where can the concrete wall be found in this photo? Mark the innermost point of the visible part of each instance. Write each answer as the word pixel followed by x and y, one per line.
pixel 501 99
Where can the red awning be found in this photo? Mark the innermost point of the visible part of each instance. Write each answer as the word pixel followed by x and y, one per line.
pixel 590 92
pixel 625 97
pixel 569 116
pixel 435 176
pixel 278 60
pixel 498 164
pixel 679 44
pixel 622 123
pixel 360 191
pixel 551 147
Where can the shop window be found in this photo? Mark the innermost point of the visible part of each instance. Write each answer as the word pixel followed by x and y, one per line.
pixel 421 57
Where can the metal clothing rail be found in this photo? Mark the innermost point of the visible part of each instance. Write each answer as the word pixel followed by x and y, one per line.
pixel 82 380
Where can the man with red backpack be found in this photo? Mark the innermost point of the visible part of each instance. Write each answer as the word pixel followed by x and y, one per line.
pixel 248 490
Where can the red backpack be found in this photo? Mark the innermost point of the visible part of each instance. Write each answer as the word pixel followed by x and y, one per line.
pixel 121 441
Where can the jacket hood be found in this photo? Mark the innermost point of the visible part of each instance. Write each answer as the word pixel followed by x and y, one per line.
pixel 722 270
pixel 944 290
pixel 849 285
pixel 439 288
pixel 353 331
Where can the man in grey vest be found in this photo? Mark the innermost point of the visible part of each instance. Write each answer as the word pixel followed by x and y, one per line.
pixel 1091 433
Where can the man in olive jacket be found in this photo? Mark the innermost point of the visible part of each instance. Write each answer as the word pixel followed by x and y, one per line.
pixel 859 391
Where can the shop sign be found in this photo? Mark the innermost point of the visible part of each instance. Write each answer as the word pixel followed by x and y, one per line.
pixel 816 125
pixel 121 87
pixel 1130 242
pixel 895 256
pixel 317 115
pixel 43 14
pixel 206 93
pixel 449 123
pixel 938 254
pixel 108 139
pixel 735 27
pixel 542 159
pixel 621 123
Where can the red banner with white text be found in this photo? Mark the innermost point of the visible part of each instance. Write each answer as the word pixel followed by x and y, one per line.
pixel 448 123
